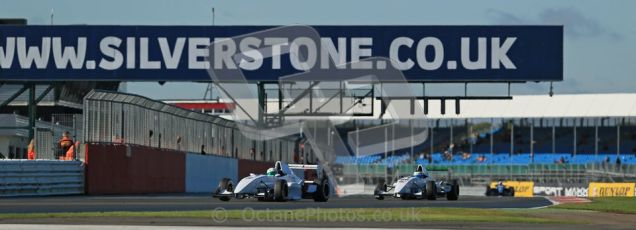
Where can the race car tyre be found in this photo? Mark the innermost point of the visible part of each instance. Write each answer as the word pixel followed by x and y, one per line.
pixel 280 190
pixel 454 193
pixel 512 191
pixel 225 184
pixel 322 192
pixel 431 190
pixel 489 191
pixel 380 188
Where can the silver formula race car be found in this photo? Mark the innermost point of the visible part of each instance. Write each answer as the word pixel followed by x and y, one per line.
pixel 283 182
pixel 419 186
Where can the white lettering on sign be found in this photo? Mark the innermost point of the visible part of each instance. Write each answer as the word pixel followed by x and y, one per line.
pixel 108 46
pixel 249 53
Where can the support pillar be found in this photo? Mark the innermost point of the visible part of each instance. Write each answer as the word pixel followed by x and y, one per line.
pixel 451 133
pixel 470 135
pixel 412 141
pixel 492 141
pixel 575 137
pixel 32 111
pixel 595 137
pixel 532 141
pixel 512 137
pixel 261 103
pixel 553 137
pixel 618 138
pixel 432 139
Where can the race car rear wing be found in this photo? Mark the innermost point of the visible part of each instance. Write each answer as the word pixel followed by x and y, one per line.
pixel 307 172
pixel 302 166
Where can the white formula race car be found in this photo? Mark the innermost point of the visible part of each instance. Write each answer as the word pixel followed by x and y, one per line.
pixel 280 183
pixel 418 186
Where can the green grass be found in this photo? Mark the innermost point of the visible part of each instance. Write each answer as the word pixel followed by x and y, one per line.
pixel 324 215
pixel 626 205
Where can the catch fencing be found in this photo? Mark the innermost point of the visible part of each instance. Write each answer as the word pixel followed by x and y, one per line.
pixel 112 117
pixel 482 174
pixel 47 136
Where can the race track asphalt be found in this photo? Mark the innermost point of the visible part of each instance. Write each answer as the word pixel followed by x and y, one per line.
pixel 206 202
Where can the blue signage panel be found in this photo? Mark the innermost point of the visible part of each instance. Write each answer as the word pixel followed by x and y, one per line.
pixel 178 53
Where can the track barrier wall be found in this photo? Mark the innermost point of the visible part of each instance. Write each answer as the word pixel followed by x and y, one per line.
pixel 41 177
pixel 131 169
pixel 203 172
pixel 245 167
pixel 611 189
pixel 556 189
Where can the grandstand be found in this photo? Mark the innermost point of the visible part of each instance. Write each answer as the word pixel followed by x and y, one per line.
pixel 530 131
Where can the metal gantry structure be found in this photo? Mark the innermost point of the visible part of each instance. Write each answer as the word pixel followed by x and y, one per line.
pixel 373 92
pixel 31 104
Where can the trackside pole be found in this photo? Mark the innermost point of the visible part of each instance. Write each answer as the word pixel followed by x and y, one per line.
pixel 532 141
pixel 596 137
pixel 412 147
pixel 31 109
pixel 432 138
pixel 618 138
pixel 492 121
pixel 386 150
pixel 357 152
pixel 574 144
pixel 553 137
pixel 512 137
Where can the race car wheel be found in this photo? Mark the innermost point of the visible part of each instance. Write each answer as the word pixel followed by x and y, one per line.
pixel 280 190
pixel 431 190
pixel 380 188
pixel 512 191
pixel 322 192
pixel 225 184
pixel 489 191
pixel 454 193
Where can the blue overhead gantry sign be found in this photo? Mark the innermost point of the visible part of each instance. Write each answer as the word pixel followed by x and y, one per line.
pixel 178 53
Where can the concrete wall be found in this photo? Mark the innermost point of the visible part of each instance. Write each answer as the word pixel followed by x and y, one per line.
pixel 245 167
pixel 203 172
pixel 126 169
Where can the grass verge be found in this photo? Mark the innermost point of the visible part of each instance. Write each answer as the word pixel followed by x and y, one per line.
pixel 624 205
pixel 323 215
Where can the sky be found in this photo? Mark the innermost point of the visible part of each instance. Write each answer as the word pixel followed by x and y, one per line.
pixel 599 45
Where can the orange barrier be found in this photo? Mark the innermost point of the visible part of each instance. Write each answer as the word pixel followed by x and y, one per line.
pixel 126 169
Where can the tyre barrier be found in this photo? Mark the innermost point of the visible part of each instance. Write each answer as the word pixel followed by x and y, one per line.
pixel 41 177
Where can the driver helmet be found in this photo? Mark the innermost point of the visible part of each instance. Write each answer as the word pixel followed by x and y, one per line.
pixel 418 174
pixel 500 183
pixel 271 172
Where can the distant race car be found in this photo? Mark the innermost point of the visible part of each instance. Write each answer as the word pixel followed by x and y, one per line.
pixel 418 186
pixel 499 189
pixel 280 183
